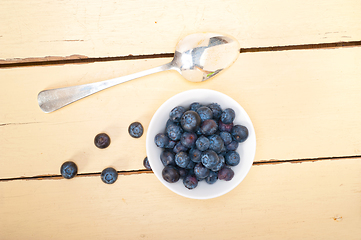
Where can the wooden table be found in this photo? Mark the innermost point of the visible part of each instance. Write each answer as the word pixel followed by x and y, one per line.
pixel 298 76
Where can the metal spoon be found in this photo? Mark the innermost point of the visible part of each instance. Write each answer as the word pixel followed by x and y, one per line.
pixel 198 57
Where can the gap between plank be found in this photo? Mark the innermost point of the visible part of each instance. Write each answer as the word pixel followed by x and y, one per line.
pixel 80 59
pixel 141 171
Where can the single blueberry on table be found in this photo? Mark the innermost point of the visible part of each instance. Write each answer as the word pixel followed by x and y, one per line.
pixel 161 140
pixel 176 113
pixel 190 121
pixel 202 143
pixel 228 115
pixel 201 171
pixel 190 181
pixel 226 137
pixel 226 174
pixel 239 133
pixel 216 143
pixel 194 106
pixel 146 164
pixel 102 140
pixel 167 158
pixel 109 175
pixel 179 148
pixel 195 155
pixel 225 127
pixel 170 174
pixel 209 127
pixel 212 177
pixel 210 159
pixel 220 165
pixel 135 130
pixel 174 132
pixel 69 169
pixel 188 139
pixel 232 158
pixel 205 113
pixel 232 146
pixel 216 110
pixel 182 159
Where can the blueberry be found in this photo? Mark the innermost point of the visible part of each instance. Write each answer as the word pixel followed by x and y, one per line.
pixel 201 171
pixel 190 165
pixel 220 165
pixel 161 140
pixel 109 175
pixel 194 106
pixel 224 127
pixel 182 159
pixel 226 137
pixel 182 172
pixel 167 158
pixel 176 114
pixel 205 113
pixel 68 170
pixel 216 143
pixel 171 144
pixel 174 132
pixel 188 139
pixel 225 174
pixel 146 164
pixel 195 155
pixel 212 177
pixel 209 127
pixel 135 129
pixel 170 174
pixel 179 148
pixel 102 140
pixel 228 115
pixel 210 159
pixel 190 121
pixel 190 181
pixel 232 146
pixel 232 158
pixel 216 110
pixel 202 143
pixel 239 133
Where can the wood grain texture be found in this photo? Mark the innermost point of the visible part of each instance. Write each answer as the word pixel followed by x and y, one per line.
pixel 41 28
pixel 303 104
pixel 319 200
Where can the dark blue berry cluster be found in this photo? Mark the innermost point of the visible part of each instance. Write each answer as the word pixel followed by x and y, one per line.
pixel 199 143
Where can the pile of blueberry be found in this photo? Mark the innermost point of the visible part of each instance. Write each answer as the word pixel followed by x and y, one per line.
pixel 199 143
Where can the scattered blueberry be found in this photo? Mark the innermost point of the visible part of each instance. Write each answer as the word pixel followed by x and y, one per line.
pixel 179 148
pixel 190 181
pixel 146 164
pixel 109 175
pixel 226 137
pixel 176 113
pixel 102 140
pixel 182 159
pixel 212 177
pixel 135 129
pixel 161 140
pixel 220 165
pixel 232 158
pixel 188 139
pixel 68 170
pixel 226 174
pixel 194 106
pixel 209 127
pixel 239 133
pixel 190 121
pixel 216 110
pixel 170 174
pixel 210 159
pixel 224 127
pixel 232 146
pixel 201 171
pixel 195 155
pixel 167 158
pixel 205 113
pixel 228 115
pixel 174 132
pixel 202 143
pixel 216 143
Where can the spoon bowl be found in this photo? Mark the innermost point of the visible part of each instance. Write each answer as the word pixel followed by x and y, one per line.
pixel 197 58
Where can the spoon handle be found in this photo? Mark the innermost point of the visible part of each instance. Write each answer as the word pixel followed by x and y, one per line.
pixel 53 99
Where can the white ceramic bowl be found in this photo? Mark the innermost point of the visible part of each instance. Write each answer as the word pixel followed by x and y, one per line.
pixel 246 149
